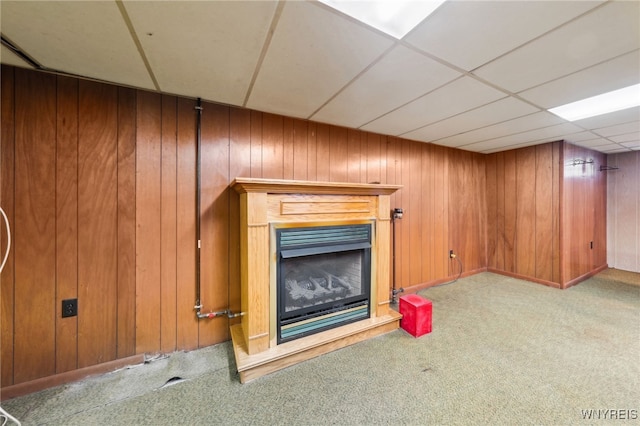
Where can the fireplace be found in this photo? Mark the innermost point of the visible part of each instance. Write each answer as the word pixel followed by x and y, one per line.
pixel 314 269
pixel 323 278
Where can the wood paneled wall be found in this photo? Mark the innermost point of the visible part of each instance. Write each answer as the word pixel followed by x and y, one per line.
pixel 584 214
pixel 99 184
pixel 467 210
pixel 523 205
pixel 543 213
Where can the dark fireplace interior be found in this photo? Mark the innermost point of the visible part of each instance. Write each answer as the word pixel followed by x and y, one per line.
pixel 324 278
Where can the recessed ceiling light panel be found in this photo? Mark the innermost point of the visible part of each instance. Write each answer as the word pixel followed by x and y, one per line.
pixel 393 17
pixel 616 100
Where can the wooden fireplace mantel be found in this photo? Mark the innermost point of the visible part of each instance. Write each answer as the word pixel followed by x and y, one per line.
pixel 269 202
pixel 278 186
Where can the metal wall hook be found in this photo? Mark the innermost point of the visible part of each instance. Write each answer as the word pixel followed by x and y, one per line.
pixel 578 161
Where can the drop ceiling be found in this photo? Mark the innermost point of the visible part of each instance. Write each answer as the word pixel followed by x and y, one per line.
pixel 475 75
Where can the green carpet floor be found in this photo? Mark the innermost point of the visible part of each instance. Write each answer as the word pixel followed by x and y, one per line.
pixel 502 351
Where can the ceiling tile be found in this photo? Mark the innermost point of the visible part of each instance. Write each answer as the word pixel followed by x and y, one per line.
pixel 309 60
pixel 605 33
pixel 520 145
pixel 471 33
pixel 458 96
pixel 84 38
pixel 590 143
pixel 611 75
pixel 632 145
pixel 518 125
pixel 399 77
pixel 546 134
pixel 10 58
pixel 621 150
pixel 620 129
pixel 495 112
pixel 629 115
pixel 627 137
pixel 611 148
pixel 579 137
pixel 193 46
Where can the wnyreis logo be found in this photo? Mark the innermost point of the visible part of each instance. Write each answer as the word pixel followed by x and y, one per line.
pixel 610 414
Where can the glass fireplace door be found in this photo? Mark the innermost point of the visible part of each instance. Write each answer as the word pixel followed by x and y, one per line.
pixel 324 278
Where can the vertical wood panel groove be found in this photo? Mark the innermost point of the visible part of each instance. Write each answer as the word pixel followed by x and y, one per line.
pixel 288 154
pixel 256 144
pixel 7 199
pixel 34 225
pixel 66 221
pixel 97 216
pixel 239 166
pixel 338 154
pixel 312 156
pixel 187 326
pixel 323 152
pixel 215 211
pixel 415 246
pixel 491 168
pixel 168 244
pixel 500 211
pixel 525 214
pixel 148 222
pixel 544 235
pixel 556 211
pixel 126 223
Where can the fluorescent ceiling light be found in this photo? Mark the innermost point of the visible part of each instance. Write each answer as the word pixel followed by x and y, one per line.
pixel 617 100
pixel 394 17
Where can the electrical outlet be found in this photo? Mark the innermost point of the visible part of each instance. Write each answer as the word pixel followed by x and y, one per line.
pixel 69 308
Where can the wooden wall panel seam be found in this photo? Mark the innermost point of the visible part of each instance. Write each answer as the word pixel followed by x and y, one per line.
pixel 214 230
pixel 148 192
pixel 126 222
pixel 7 200
pixel 34 225
pixel 187 327
pixel 66 220
pixel 97 203
pixel 535 203
pixel 168 218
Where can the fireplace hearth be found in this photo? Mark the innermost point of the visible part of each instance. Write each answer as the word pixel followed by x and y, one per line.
pixel 314 267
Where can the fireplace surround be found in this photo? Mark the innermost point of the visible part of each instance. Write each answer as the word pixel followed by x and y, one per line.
pixel 315 269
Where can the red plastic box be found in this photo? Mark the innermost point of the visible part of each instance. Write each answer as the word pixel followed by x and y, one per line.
pixel 416 314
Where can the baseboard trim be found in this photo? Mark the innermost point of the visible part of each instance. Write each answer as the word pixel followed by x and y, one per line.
pixel 43 383
pixel 526 278
pixel 422 286
pixel 581 278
